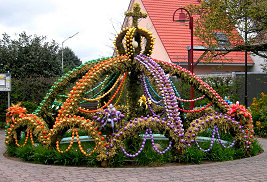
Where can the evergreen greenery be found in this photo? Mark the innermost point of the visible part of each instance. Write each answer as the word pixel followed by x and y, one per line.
pixel 192 155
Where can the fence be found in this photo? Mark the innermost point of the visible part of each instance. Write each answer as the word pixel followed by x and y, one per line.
pixel 256 83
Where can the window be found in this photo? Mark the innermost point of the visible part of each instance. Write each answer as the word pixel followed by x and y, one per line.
pixel 222 39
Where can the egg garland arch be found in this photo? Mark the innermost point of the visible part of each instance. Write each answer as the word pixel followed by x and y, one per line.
pixel 49 123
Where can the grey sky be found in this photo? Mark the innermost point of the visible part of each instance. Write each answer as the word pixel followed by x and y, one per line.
pixel 59 19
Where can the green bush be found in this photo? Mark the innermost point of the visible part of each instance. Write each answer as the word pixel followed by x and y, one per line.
pixel 2 125
pixel 30 106
pixel 218 153
pixel 257 148
pixel 192 155
pixel 259 113
pixel 26 153
pixel 44 156
pixel 148 156
pixel 11 151
pixel 29 91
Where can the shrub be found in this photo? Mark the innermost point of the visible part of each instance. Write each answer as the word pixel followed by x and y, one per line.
pixel 259 114
pixel 2 125
pixel 30 106
pixel 148 156
pixel 192 155
pixel 218 153
pixel 44 156
pixel 225 86
pixel 29 91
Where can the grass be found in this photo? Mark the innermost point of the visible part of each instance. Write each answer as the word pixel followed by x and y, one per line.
pixel 148 156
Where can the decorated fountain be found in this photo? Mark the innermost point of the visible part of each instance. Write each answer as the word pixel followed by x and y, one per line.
pixel 121 97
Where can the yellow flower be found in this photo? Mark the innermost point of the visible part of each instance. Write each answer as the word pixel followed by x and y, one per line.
pixel 143 100
pixel 258 123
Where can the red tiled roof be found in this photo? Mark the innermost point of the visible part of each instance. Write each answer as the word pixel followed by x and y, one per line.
pixel 176 36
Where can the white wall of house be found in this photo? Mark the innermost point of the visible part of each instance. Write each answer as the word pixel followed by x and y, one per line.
pixel 159 52
pixel 258 61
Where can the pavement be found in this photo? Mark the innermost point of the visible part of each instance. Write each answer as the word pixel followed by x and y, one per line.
pixel 248 169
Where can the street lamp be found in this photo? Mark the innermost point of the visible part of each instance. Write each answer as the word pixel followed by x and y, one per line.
pixel 182 18
pixel 62 59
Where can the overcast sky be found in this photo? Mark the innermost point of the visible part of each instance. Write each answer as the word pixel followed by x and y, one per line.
pixel 96 21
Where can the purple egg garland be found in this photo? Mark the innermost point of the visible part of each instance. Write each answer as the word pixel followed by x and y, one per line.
pixel 143 145
pixel 154 146
pixel 215 131
pixel 211 142
pixel 140 150
pixel 219 138
pixel 165 88
pixel 146 90
pixel 148 95
pixel 173 121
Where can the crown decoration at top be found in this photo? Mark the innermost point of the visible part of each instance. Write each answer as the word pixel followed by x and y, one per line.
pixel 136 14
pixel 129 40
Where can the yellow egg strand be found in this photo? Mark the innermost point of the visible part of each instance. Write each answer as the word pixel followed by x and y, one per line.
pixel 121 92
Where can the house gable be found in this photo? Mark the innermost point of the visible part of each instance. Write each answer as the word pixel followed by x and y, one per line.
pixel 172 38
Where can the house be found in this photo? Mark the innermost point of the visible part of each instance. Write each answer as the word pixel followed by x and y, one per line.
pixel 173 38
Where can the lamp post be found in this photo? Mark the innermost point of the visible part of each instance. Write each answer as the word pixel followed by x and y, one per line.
pixel 182 19
pixel 62 52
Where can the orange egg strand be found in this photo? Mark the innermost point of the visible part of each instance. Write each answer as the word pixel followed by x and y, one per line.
pixel 71 143
pixel 75 132
pixel 26 139
pixel 80 146
pixel 31 138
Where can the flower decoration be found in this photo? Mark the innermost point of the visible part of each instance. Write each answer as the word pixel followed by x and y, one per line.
pixel 109 115
pixel 143 101
pixel 15 110
pixel 238 109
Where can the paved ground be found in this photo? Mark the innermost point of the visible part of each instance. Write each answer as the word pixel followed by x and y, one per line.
pixel 249 169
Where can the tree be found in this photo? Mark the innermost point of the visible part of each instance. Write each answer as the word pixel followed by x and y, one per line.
pixel 29 56
pixel 70 59
pixel 227 16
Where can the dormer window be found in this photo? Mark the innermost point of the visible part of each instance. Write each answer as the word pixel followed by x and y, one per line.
pixel 222 39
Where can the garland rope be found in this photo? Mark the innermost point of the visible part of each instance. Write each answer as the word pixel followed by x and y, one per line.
pixel 87 111
pixel 149 94
pixel 122 89
pixel 74 131
pixel 80 146
pixel 175 90
pixel 90 100
pixel 70 145
pixel 201 109
pixel 182 100
pixel 139 151
pixel 101 83
pixel 29 132
pixel 147 81
pixel 147 101
pixel 104 87
pixel 215 131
